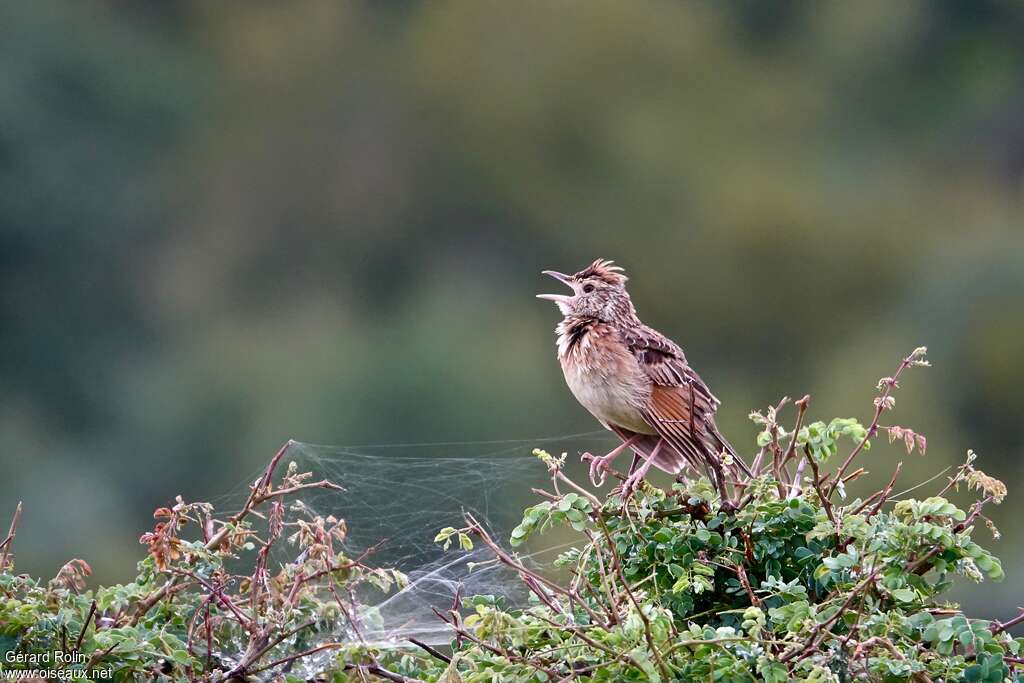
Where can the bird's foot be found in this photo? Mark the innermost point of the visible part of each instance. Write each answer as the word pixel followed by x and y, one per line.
pixel 630 486
pixel 632 483
pixel 634 480
pixel 599 467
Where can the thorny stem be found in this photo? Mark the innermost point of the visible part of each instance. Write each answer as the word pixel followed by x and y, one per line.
pixel 209 637
pixel 877 640
pixel 855 626
pixel 96 658
pixel 1000 626
pixel 287 634
pixel 801 406
pixel 203 606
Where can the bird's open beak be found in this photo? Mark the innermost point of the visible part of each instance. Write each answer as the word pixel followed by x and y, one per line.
pixel 564 279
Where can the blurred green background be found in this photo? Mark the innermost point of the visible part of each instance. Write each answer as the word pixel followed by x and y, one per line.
pixel 224 225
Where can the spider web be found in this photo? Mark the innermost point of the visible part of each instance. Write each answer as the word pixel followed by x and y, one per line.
pixel 404 494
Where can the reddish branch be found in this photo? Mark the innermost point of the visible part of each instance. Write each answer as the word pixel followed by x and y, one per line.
pixel 260 492
pixel 1000 626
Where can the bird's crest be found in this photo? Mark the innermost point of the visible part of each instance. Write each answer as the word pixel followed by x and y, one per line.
pixel 602 269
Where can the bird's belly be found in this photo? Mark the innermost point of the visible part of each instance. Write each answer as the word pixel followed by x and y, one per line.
pixel 611 400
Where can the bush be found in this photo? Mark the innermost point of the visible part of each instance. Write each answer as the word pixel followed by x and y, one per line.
pixel 786 579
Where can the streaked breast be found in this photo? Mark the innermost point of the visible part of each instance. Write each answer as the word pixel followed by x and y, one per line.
pixel 605 377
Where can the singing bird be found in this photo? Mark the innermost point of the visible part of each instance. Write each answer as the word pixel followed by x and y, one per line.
pixel 636 382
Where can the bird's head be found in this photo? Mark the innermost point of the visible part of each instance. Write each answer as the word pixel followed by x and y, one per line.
pixel 598 291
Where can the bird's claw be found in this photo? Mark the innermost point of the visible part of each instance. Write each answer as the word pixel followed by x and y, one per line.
pixel 629 487
pixel 599 468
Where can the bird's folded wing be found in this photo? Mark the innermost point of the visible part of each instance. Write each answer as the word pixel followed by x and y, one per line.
pixel 665 363
pixel 677 415
pixel 681 408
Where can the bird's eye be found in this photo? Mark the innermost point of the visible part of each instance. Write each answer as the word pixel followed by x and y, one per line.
pixel 587 289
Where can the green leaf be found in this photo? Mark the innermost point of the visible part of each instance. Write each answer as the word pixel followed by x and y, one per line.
pixel 567 501
pixel 662 535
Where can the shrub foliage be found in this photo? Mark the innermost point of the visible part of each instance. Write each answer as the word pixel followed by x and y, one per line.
pixel 787 578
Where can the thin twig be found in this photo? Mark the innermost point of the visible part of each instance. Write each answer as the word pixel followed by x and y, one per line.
pixel 85 625
pixel 886 491
pixel 921 566
pixel 825 502
pixel 741 573
pixel 254 499
pixel 801 408
pixel 828 623
pixel 578 632
pixel 9 541
pixel 100 655
pixel 218 592
pixel 536 579
pixel 606 582
pixel 923 483
pixel 431 651
pixel 999 626
pixel 648 635
pixel 880 407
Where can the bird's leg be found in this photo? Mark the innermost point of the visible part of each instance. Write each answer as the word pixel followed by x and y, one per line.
pixel 634 479
pixel 598 466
